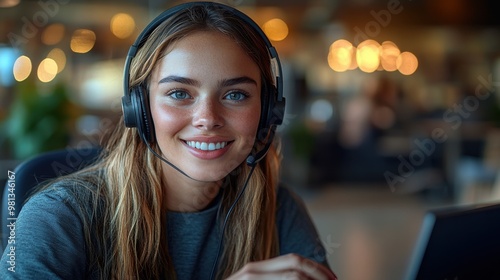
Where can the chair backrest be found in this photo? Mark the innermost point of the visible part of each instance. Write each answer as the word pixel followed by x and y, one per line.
pixel 34 171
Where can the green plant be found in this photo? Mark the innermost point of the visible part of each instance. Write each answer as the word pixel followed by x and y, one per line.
pixel 37 122
pixel 302 140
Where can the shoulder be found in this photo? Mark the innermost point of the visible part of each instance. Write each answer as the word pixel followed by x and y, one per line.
pixel 68 191
pixel 285 193
pixel 289 201
pixel 65 201
pixel 54 216
pixel 50 197
pixel 59 201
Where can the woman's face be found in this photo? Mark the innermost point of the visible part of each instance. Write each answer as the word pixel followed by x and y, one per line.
pixel 205 104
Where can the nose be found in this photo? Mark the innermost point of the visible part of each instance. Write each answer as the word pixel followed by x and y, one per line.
pixel 208 115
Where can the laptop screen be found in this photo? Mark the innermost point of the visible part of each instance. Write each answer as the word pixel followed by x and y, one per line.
pixel 456 243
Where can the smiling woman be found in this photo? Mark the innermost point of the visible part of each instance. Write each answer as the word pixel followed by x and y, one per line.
pixel 188 184
pixel 210 102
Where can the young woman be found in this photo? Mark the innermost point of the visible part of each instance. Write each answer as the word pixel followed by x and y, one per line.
pixel 178 200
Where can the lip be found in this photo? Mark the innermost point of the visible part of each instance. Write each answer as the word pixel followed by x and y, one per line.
pixel 207 154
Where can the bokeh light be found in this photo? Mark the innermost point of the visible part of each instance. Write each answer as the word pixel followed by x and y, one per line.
pixel 341 56
pixel 321 110
pixel 83 40
pixel 9 3
pixel 59 57
pixel 276 29
pixel 22 68
pixel 389 53
pixel 53 34
pixel 368 56
pixel 407 63
pixel 47 70
pixel 122 25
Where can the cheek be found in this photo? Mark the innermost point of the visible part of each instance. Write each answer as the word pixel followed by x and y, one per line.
pixel 167 121
pixel 247 123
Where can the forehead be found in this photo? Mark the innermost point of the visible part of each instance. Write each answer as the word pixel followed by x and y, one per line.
pixel 207 52
pixel 200 42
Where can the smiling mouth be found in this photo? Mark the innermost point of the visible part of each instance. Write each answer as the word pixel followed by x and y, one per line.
pixel 205 146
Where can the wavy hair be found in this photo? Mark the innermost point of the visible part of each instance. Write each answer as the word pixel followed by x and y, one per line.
pixel 128 198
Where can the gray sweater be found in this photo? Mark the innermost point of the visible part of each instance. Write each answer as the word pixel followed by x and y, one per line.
pixel 49 240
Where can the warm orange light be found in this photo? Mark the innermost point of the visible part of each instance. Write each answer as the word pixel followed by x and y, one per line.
pixel 53 34
pixel 9 3
pixel 407 63
pixel 367 56
pixel 59 57
pixel 83 40
pixel 389 53
pixel 340 56
pixel 47 70
pixel 370 56
pixel 340 43
pixel 276 29
pixel 122 25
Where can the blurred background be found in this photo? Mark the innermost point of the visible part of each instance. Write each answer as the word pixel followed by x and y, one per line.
pixel 393 106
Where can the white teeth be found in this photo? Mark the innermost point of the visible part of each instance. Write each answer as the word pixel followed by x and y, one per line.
pixel 204 146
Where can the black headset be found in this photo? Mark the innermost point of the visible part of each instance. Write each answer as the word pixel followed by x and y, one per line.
pixel 135 102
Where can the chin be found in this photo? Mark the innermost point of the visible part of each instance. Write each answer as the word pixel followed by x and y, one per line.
pixel 207 174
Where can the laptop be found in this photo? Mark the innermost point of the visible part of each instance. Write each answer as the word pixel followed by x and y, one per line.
pixel 458 243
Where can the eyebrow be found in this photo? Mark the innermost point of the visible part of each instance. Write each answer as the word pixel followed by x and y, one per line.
pixel 236 81
pixel 222 83
pixel 178 79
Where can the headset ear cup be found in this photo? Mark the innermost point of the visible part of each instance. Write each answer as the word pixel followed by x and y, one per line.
pixel 268 116
pixel 272 112
pixel 144 121
pixel 264 115
pixel 129 117
pixel 271 116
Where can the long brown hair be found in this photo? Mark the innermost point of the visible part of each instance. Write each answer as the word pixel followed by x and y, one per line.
pixel 128 200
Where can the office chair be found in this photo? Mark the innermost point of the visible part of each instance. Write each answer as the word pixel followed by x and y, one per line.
pixel 36 170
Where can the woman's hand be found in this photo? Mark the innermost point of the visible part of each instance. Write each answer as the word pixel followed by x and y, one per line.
pixel 291 266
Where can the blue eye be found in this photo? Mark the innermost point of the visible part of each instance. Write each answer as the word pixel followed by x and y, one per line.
pixel 177 94
pixel 236 96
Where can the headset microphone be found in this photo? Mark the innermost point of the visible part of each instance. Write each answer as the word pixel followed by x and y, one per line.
pixel 253 159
